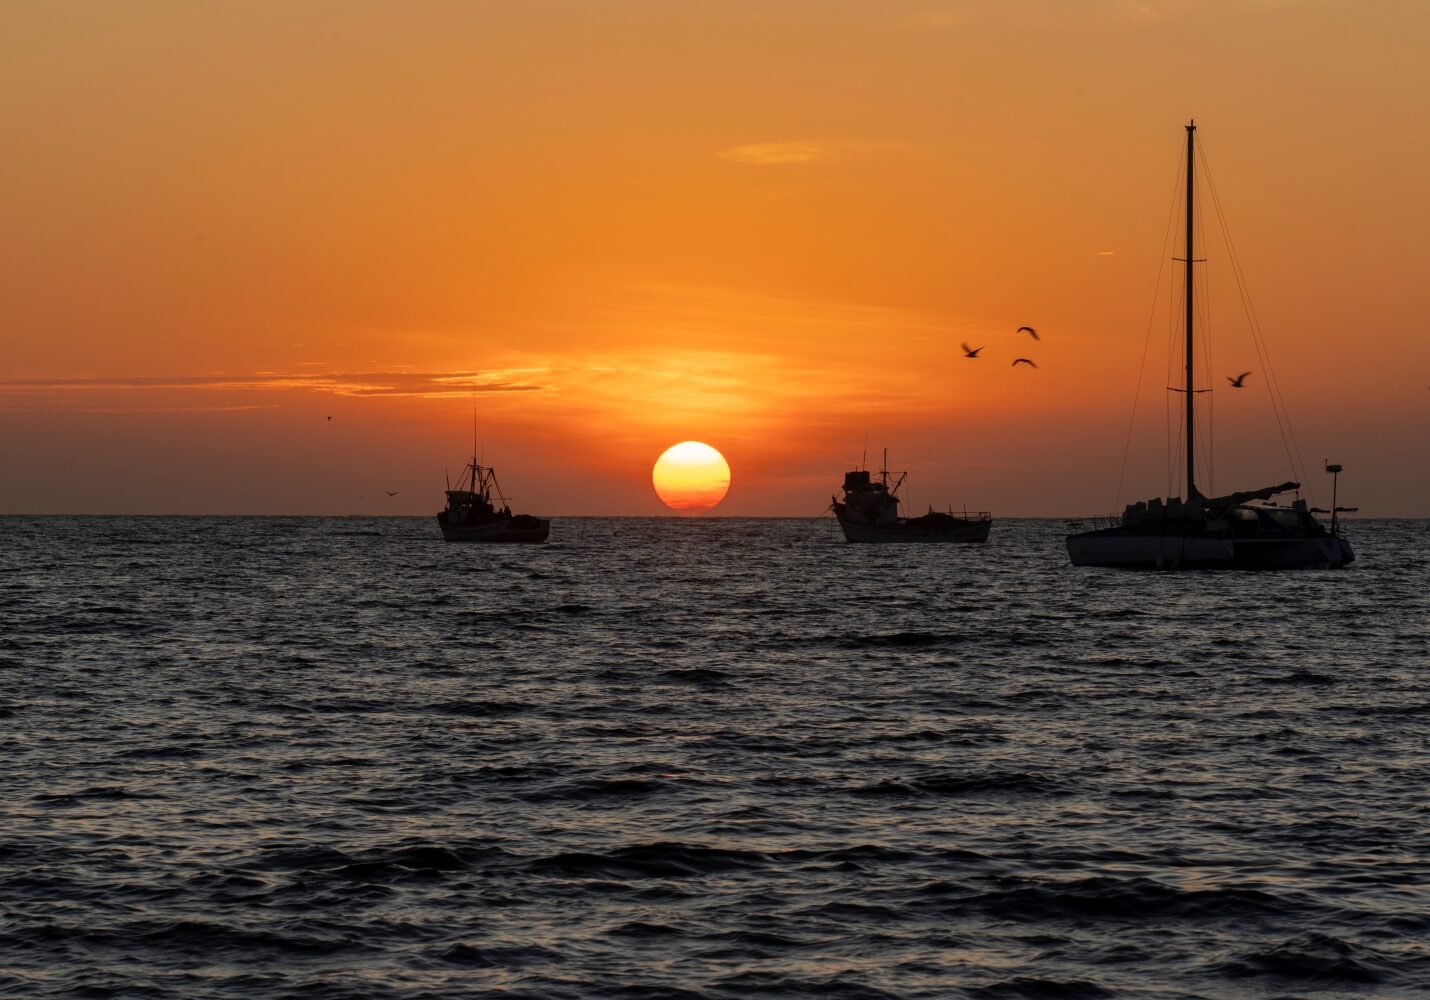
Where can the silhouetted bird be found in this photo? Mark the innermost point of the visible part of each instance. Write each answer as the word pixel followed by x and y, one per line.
pixel 392 493
pixel 330 418
pixel 970 352
pixel 1022 361
pixel 1029 329
pixel 1236 383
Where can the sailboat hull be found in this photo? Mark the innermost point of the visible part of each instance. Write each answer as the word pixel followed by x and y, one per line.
pixel 1115 550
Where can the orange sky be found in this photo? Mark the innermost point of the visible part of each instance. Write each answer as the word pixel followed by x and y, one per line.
pixel 766 226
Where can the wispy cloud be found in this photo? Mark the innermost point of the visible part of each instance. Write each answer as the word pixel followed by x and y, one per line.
pixel 385 383
pixel 938 18
pixel 1160 10
pixel 171 409
pixel 786 154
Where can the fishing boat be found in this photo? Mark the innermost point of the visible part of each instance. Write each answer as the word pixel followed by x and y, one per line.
pixel 472 515
pixel 869 512
pixel 1241 530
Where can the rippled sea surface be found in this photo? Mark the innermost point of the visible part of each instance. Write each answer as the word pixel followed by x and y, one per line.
pixel 323 758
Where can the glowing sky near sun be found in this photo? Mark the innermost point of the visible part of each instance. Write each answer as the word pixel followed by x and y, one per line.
pixel 624 224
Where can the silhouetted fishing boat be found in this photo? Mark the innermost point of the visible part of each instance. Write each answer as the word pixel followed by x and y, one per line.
pixel 1225 532
pixel 472 516
pixel 869 512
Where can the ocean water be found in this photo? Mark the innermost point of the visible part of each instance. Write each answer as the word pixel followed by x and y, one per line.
pixel 338 758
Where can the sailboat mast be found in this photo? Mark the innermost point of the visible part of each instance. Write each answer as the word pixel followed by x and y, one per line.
pixel 1191 388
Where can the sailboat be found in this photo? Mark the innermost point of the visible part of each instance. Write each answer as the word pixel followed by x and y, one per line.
pixel 1242 530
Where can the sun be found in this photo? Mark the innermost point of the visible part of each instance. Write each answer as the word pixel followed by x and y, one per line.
pixel 691 477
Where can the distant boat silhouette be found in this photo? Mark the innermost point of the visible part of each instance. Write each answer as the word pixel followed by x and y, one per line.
pixel 1226 532
pixel 869 512
pixel 472 516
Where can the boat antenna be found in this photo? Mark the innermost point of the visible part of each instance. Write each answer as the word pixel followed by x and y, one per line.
pixel 1191 434
pixel 864 460
pixel 1335 471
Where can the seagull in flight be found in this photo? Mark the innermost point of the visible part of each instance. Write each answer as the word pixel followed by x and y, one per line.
pixel 392 493
pixel 970 352
pixel 1023 361
pixel 1029 329
pixel 330 418
pixel 1236 383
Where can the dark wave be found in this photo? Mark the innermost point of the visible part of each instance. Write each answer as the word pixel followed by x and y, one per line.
pixel 703 676
pixel 471 956
pixel 779 984
pixel 1313 960
pixel 210 938
pixel 994 783
pixel 899 640
pixel 1121 899
pixel 1036 988
pixel 596 790
pixel 660 860
pixel 480 709
pixel 1303 677
pixel 97 793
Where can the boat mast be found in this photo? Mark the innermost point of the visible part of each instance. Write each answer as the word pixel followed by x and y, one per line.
pixel 475 445
pixel 1191 389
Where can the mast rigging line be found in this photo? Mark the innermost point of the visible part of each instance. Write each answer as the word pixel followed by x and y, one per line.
pixel 1174 453
pixel 1279 409
pixel 1147 339
pixel 1204 295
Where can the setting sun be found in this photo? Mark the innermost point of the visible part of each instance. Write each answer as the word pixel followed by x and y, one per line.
pixel 691 477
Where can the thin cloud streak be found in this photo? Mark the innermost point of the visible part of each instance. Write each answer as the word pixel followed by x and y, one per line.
pixel 431 385
pixel 785 154
pixel 174 409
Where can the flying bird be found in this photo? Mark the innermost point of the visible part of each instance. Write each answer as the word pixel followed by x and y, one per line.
pixel 330 418
pixel 392 493
pixel 1022 361
pixel 1029 329
pixel 1236 383
pixel 970 352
